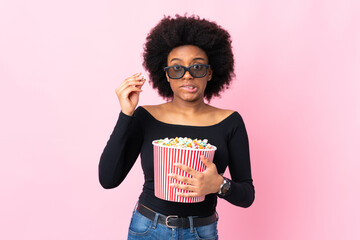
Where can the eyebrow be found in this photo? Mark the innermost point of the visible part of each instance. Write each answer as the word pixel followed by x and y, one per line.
pixel 178 59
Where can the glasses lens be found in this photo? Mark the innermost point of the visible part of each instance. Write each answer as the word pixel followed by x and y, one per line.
pixel 176 72
pixel 198 70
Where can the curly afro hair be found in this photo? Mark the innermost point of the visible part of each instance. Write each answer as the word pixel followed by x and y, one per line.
pixel 182 30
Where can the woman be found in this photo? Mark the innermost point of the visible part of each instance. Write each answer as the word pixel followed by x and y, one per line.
pixel 188 60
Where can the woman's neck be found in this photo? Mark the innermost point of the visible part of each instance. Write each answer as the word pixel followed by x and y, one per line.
pixel 188 108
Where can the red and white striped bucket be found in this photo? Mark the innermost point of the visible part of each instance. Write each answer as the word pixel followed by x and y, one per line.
pixel 164 159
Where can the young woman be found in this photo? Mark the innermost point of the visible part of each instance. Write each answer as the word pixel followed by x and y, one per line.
pixel 188 60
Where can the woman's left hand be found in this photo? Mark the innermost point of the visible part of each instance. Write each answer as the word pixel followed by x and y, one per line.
pixel 201 183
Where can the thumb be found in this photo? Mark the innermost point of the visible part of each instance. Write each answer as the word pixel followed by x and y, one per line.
pixel 206 161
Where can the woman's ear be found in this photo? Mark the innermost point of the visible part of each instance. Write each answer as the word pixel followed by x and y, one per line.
pixel 167 78
pixel 210 74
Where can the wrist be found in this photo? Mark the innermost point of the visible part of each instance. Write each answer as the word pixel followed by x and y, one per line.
pixel 219 182
pixel 127 113
pixel 225 187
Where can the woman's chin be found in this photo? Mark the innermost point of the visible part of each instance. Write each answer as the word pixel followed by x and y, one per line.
pixel 191 98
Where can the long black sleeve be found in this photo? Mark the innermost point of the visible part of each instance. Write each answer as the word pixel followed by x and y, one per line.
pixel 121 151
pixel 242 192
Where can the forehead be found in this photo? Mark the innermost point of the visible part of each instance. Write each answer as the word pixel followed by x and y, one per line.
pixel 187 53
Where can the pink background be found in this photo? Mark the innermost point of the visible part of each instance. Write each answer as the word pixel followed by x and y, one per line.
pixel 297 86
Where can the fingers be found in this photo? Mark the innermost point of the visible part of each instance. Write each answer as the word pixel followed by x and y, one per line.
pixel 133 83
pixel 135 77
pixel 191 171
pixel 187 169
pixel 183 186
pixel 189 184
pixel 188 195
pixel 192 190
pixel 124 93
pixel 128 93
pixel 199 183
pixel 182 178
pixel 134 80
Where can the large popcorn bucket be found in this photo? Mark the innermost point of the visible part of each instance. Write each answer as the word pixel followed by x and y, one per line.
pixel 164 159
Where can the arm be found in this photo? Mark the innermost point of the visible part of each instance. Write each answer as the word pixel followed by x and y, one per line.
pixel 121 151
pixel 242 191
pixel 124 145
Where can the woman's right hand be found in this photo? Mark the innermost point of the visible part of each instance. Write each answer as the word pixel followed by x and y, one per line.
pixel 128 93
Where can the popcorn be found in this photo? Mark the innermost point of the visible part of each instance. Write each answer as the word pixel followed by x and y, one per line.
pixel 180 142
pixel 182 150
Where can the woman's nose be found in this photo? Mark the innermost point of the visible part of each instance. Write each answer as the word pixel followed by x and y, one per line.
pixel 187 75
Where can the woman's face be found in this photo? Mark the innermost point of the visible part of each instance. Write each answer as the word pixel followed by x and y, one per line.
pixel 188 88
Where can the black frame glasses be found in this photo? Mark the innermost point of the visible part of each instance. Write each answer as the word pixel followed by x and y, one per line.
pixel 191 69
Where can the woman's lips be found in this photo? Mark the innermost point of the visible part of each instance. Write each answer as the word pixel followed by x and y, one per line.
pixel 189 88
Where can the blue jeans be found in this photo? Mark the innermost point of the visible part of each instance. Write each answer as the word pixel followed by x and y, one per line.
pixel 143 228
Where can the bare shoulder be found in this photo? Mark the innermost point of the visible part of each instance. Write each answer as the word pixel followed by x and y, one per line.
pixel 154 110
pixel 220 114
